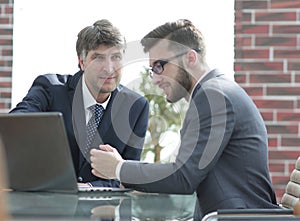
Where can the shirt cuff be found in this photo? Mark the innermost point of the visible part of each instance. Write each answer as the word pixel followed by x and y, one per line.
pixel 118 169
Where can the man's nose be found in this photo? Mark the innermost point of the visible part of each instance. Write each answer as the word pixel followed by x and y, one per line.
pixel 156 79
pixel 109 66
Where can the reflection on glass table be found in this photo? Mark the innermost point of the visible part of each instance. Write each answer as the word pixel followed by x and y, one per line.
pixel 163 207
pixel 100 206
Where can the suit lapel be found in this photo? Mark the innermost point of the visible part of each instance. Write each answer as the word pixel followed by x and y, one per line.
pixel 78 115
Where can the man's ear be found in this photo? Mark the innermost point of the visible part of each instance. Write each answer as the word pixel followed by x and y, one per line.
pixel 191 58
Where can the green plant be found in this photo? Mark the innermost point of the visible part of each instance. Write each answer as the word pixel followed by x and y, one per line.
pixel 164 117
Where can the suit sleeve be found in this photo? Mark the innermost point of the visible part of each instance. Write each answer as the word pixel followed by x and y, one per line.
pixel 37 98
pixel 206 131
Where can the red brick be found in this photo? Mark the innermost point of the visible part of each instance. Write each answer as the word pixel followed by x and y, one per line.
pixel 246 17
pixel 283 91
pixel 283 154
pixel 252 53
pixel 7 52
pixel 273 103
pixel 253 91
pixel 282 129
pixel 258 66
pixel 297 78
pixel 238 6
pixel 5 2
pixel 5 63
pixel 9 10
pixel 4 20
pixel 261 4
pixel 272 142
pixel 290 142
pixel 241 17
pixel 6 84
pixel 238 27
pixel 6 105
pixel 276 41
pixel 240 78
pixel 240 42
pixel 288 116
pixel 7 32
pixel 255 29
pixel 284 29
pixel 5 73
pixel 238 16
pixel 291 166
pixel 270 78
pixel 276 167
pixel 275 16
pixel 267 115
pixel 5 41
pixel 293 66
pixel 279 4
pixel 287 53
pixel 280 180
pixel 5 94
pixel 298 104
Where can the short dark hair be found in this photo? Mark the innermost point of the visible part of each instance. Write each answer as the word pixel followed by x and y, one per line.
pixel 101 32
pixel 182 32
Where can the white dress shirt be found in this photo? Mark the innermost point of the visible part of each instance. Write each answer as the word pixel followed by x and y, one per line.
pixel 89 100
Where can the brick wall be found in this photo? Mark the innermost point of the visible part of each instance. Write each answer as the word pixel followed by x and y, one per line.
pixel 267 66
pixel 6 52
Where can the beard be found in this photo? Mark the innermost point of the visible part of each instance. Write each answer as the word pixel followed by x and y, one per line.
pixel 182 86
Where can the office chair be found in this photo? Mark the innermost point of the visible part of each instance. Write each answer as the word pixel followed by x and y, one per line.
pixel 290 198
pixel 290 205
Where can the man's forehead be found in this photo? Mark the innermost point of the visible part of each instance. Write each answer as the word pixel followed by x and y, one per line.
pixel 165 46
pixel 107 49
pixel 159 50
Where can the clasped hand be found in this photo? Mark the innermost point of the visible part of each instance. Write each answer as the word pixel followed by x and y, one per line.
pixel 104 161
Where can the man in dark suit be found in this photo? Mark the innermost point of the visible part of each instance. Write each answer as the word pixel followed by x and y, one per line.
pixel 100 50
pixel 223 155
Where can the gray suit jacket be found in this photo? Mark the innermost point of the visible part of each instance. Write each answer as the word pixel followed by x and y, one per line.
pixel 223 155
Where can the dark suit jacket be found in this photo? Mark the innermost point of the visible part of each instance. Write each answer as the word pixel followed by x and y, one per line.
pixel 223 155
pixel 124 123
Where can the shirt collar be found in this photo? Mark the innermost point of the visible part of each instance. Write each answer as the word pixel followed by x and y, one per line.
pixel 89 100
pixel 197 84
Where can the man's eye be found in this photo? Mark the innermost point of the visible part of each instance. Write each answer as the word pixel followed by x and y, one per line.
pixel 117 57
pixel 99 57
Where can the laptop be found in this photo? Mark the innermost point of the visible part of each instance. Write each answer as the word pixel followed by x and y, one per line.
pixel 37 154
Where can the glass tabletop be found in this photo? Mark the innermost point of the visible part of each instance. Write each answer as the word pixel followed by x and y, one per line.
pixel 99 206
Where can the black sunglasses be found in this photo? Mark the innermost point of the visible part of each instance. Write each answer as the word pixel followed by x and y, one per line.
pixel 158 65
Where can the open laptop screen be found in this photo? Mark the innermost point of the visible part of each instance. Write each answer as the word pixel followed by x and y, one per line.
pixel 37 152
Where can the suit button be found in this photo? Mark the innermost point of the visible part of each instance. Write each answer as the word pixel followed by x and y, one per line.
pixel 80 179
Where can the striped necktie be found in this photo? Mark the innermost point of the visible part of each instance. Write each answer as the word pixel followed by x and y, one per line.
pixel 91 128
